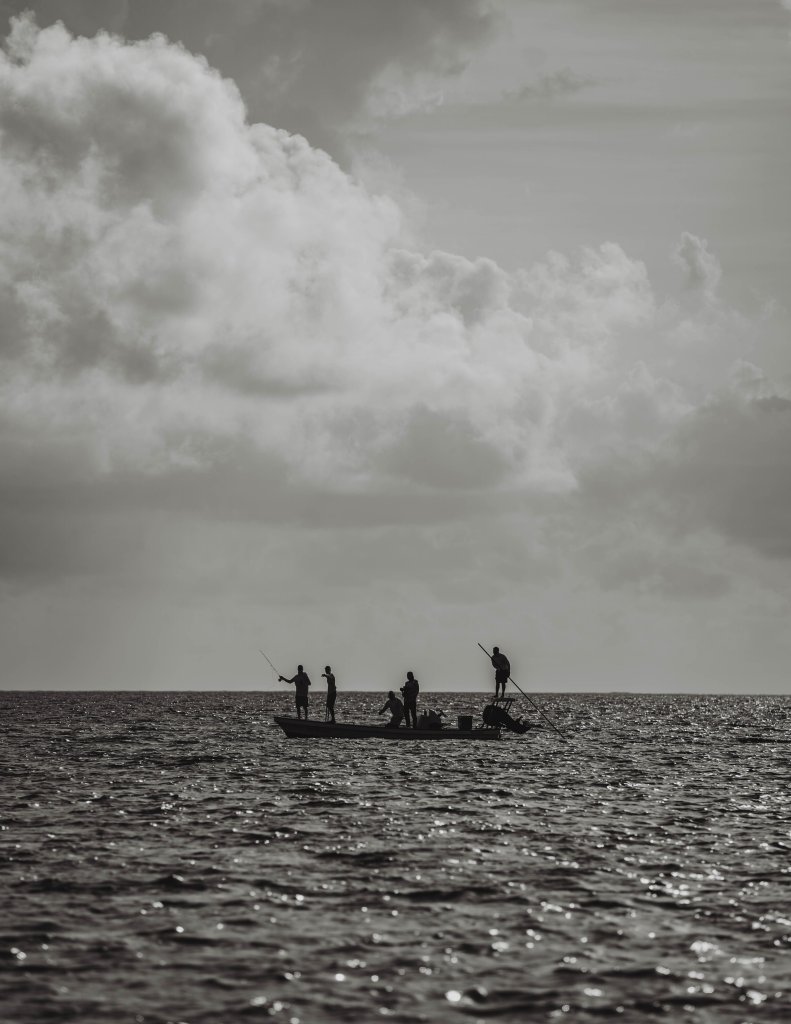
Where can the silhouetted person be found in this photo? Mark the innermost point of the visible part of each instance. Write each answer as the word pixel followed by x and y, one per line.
pixel 396 709
pixel 301 683
pixel 410 690
pixel 502 670
pixel 327 674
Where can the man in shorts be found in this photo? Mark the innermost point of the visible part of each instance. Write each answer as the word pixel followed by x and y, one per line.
pixel 502 671
pixel 301 683
pixel 328 675
pixel 410 690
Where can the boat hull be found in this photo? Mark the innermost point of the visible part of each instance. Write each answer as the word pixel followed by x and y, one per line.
pixel 300 728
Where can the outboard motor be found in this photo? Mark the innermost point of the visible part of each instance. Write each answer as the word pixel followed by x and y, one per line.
pixel 493 714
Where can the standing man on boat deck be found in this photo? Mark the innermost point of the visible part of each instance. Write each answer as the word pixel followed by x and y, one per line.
pixel 396 709
pixel 327 674
pixel 301 683
pixel 410 690
pixel 502 670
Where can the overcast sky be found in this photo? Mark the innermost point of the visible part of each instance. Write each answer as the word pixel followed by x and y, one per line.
pixel 361 331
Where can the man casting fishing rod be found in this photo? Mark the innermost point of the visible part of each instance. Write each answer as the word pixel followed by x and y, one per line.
pixel 301 683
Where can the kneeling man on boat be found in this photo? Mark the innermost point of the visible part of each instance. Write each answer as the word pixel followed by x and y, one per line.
pixel 396 709
pixel 301 683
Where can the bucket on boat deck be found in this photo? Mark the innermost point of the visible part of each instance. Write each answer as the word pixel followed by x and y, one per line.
pixel 465 722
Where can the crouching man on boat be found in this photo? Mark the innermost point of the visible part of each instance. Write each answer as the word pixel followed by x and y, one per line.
pixel 396 709
pixel 301 683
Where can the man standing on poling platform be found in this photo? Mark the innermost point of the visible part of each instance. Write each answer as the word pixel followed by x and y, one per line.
pixel 502 671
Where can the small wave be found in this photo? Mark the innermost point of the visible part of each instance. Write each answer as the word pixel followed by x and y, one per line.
pixel 449 895
pixel 183 762
pixel 71 887
pixel 507 1001
pixel 178 883
pixel 184 938
pixel 641 972
pixel 364 857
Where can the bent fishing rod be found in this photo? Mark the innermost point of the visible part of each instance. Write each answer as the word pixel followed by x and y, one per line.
pixel 538 709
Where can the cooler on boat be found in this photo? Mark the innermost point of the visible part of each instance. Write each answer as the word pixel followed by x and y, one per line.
pixel 465 723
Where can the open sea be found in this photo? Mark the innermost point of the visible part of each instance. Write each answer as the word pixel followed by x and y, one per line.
pixel 172 857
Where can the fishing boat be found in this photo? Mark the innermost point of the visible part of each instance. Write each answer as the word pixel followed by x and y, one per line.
pixel 496 717
pixel 312 728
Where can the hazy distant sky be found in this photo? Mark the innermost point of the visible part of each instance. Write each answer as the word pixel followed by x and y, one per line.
pixel 361 331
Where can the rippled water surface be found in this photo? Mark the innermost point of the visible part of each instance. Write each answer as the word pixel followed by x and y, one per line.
pixel 173 857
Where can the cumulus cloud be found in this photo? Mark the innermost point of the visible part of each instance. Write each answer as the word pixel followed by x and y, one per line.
pixel 667 518
pixel 199 313
pixel 175 279
pixel 310 67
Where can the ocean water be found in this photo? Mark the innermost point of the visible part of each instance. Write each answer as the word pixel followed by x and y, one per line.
pixel 173 857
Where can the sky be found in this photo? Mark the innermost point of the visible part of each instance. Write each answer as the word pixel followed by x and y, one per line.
pixel 360 333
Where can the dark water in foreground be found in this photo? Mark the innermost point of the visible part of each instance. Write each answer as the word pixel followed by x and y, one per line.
pixel 172 857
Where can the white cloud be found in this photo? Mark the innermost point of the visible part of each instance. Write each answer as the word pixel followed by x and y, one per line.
pixel 198 313
pixel 175 280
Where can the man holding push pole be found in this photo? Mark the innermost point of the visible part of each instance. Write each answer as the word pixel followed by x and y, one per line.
pixel 502 671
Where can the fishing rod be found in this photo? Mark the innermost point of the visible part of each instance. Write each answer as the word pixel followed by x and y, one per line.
pixel 538 709
pixel 279 677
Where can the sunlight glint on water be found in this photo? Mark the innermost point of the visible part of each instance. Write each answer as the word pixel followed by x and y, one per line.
pixel 172 857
